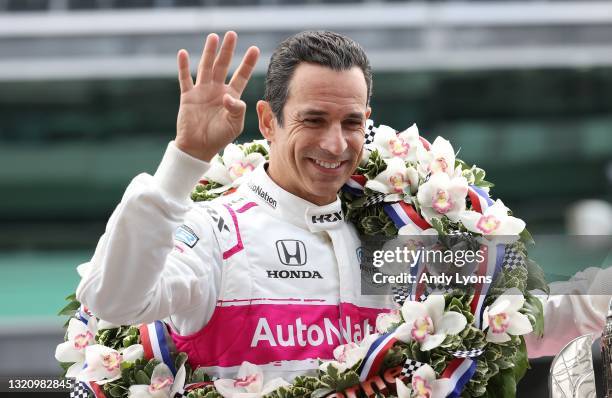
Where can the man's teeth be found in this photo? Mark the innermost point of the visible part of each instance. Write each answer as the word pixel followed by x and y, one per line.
pixel 327 165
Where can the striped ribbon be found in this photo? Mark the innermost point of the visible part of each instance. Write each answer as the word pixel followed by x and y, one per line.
pixel 459 371
pixel 402 213
pixel 155 341
pixel 480 198
pixel 355 185
pixel 83 314
pixel 370 365
pixel 97 391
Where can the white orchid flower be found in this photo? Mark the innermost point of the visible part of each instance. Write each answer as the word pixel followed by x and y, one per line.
pixel 347 355
pixel 494 223
pixel 395 181
pixel 440 158
pixel 503 319
pixel 423 385
pixel 163 384
pixel 386 320
pixel 427 323
pixel 103 364
pixel 249 384
pixel 397 145
pixel 229 169
pixel 80 336
pixel 443 196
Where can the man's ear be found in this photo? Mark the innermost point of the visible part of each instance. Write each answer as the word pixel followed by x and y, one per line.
pixel 368 112
pixel 266 120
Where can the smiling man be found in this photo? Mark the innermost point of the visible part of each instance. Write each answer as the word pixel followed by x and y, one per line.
pixel 268 274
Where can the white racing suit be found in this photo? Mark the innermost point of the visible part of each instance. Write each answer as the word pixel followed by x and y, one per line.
pixel 258 275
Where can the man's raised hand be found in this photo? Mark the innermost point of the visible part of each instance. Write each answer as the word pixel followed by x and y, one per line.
pixel 211 113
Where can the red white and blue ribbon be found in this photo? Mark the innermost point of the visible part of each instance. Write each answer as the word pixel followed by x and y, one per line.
pixel 370 365
pixel 480 198
pixel 355 185
pixel 402 213
pixel 155 341
pixel 459 371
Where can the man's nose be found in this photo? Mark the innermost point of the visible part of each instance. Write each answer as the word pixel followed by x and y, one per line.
pixel 333 140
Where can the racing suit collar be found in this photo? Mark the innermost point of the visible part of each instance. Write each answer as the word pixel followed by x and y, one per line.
pixel 290 207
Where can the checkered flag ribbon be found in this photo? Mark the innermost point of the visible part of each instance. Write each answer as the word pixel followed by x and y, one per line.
pixel 513 258
pixel 400 294
pixel 374 199
pixel 468 353
pixel 410 366
pixel 437 287
pixel 370 132
pixel 79 390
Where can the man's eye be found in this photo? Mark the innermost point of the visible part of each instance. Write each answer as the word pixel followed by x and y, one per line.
pixel 312 121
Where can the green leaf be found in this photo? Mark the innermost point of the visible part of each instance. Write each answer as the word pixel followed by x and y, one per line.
pixel 502 385
pixel 535 312
pixel 70 308
pixel 117 392
pixel 437 224
pixel 526 238
pixel 521 362
pixel 142 378
pixel 536 280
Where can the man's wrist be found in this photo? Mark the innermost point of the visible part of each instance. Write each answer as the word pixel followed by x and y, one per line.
pixel 179 172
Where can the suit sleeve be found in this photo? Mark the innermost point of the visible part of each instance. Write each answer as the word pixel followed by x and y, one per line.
pixel 158 257
pixel 574 308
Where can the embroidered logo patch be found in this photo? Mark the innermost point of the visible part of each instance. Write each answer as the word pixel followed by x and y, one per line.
pixel 186 235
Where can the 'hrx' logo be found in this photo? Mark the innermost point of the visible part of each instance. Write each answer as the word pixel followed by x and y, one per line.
pixel 332 217
pixel 291 252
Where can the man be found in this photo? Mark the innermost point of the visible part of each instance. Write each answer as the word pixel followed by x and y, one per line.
pixel 269 274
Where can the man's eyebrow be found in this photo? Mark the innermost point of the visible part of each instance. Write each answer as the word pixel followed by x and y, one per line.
pixel 354 115
pixel 312 112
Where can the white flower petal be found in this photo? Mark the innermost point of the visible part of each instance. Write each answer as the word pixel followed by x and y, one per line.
pixel 139 391
pixel 497 337
pixel 441 388
pixel 249 370
pixel 451 323
pixel 434 304
pixel 432 341
pixel 226 388
pixel 411 310
pixel 515 299
pixel 65 352
pixel 218 173
pixel 519 324
pixel 426 372
pixel 403 391
pixel 376 185
pixel 232 153
pixel 133 352
pixel 75 369
pixel 404 332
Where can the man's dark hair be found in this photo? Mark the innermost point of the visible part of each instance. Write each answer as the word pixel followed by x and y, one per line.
pixel 325 48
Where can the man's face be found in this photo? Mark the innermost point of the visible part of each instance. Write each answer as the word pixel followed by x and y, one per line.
pixel 320 143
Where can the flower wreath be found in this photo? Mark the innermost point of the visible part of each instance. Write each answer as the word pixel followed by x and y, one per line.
pixel 462 343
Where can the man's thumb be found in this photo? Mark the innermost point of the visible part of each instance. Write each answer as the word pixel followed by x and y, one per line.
pixel 234 106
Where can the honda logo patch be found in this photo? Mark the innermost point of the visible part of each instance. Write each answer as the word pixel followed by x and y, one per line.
pixel 291 252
